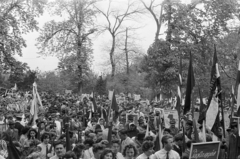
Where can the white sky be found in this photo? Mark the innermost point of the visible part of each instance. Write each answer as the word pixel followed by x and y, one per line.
pixel 145 34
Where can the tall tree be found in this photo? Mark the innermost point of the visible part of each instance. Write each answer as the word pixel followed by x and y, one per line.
pixel 17 17
pixel 115 20
pixel 71 35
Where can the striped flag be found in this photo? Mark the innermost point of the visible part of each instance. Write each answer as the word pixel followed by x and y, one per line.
pixel 214 100
pixel 238 91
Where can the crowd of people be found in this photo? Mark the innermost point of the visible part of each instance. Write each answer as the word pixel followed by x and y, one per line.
pixel 68 128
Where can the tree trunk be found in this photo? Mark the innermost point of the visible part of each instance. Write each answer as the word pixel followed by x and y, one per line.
pixel 126 51
pixel 112 55
pixel 169 32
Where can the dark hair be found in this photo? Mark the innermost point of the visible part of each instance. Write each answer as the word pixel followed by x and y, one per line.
pixel 59 142
pixel 97 147
pixel 178 137
pixel 140 136
pixel 25 130
pixel 90 142
pixel 165 138
pixel 147 145
pixel 78 148
pixel 44 136
pixel 116 142
pixel 208 138
pixel 189 143
pixel 123 131
pixel 151 138
pixel 70 154
pixel 105 152
pixel 130 146
pixel 30 132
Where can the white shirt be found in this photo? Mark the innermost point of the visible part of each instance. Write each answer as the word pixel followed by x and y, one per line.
pixel 143 156
pixel 43 151
pixel 162 154
pixel 54 157
pixel 119 156
pixel 88 153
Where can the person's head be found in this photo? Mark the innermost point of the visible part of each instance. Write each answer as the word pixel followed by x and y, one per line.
pixel 189 143
pixel 45 138
pixel 101 121
pixel 167 141
pixel 166 131
pixel 234 127
pixel 178 138
pixel 69 155
pixel 107 154
pixel 149 138
pixel 130 151
pixel 132 126
pixel 123 134
pixel 79 150
pixel 32 134
pixel 88 143
pixel 116 146
pixel 11 124
pixel 59 148
pixel 209 138
pixel 99 133
pixel 147 148
pixel 25 130
pixel 189 124
pixel 97 150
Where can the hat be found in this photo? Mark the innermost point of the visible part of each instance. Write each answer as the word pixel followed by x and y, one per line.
pixel 168 130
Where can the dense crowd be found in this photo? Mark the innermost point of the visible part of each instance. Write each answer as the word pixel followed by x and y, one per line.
pixel 68 128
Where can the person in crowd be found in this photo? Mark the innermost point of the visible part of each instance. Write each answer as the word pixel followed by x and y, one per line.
pixel 138 140
pixel 59 149
pixel 130 151
pixel 186 154
pixel 116 145
pixel 178 141
pixel 45 146
pixel 126 140
pixel 173 129
pixel 147 149
pixel 189 129
pixel 167 152
pixel 69 155
pixel 97 151
pixel 107 154
pixel 11 132
pixel 32 134
pixel 79 151
pixel 3 149
pixel 233 147
pixel 88 153
pixel 18 124
pixel 100 124
pixel 133 131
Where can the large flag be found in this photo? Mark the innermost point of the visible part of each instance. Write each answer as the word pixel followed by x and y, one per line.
pixel 178 105
pixel 190 85
pixel 212 115
pixel 232 102
pixel 94 103
pixel 203 109
pixel 238 90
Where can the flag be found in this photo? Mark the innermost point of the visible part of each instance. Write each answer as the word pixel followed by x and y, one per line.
pixel 233 102
pixel 190 85
pixel 114 105
pixel 178 105
pixel 238 91
pixel 180 80
pixel 214 100
pixel 202 110
pixel 94 103
pixel 13 152
pixel 34 107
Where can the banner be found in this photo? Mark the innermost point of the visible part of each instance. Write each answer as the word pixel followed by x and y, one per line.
pixel 171 115
pixel 207 150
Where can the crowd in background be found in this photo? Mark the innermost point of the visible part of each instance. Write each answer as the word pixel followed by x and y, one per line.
pixel 68 128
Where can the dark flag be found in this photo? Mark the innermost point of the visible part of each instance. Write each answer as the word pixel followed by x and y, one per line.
pixel 13 152
pixel 215 98
pixel 203 109
pixel 190 85
pixel 238 91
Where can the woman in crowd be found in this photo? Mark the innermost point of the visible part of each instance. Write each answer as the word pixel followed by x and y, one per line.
pixel 107 154
pixel 130 152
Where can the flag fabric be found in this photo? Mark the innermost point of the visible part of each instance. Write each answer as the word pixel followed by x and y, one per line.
pixel 190 85
pixel 34 107
pixel 178 105
pixel 196 135
pixel 214 100
pixel 202 110
pixel 238 91
pixel 94 103
pixel 233 101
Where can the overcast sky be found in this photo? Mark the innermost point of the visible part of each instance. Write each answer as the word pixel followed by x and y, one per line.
pixel 145 34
